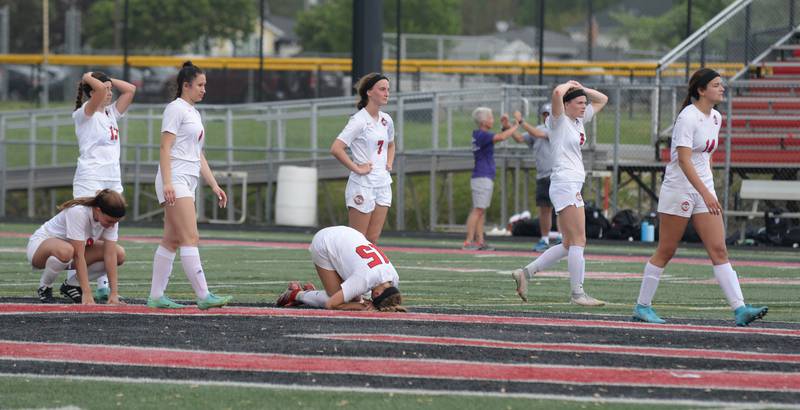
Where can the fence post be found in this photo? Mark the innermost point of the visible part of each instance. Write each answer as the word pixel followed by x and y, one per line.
pixel 314 136
pixel 150 134
pixel 434 160
pixel 54 139
pixel 3 165
pixel 31 164
pixel 229 159
pixel 615 172
pixel 728 135
pixel 400 165
pixel 137 185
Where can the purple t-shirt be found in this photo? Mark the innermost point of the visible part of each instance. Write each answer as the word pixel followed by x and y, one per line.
pixel 483 150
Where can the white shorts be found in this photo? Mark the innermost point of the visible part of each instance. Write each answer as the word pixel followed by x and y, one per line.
pixel 482 188
pixel 564 194
pixel 35 241
pixel 185 186
pixel 319 255
pixel 365 198
pixel 83 188
pixel 683 204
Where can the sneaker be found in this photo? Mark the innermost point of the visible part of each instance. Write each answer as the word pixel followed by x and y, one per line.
pixel 747 313
pixel 213 301
pixel 470 246
pixel 522 284
pixel 584 299
pixel 45 295
pixel 642 313
pixel 163 303
pixel 101 294
pixel 483 246
pixel 72 292
pixel 541 246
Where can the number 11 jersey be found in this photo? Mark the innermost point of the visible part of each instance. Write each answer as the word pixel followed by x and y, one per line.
pixel 694 130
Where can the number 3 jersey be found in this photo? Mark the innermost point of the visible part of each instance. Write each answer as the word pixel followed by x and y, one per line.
pixel 694 130
pixel 360 264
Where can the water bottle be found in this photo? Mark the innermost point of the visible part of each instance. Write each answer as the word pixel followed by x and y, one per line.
pixel 643 234
pixel 651 233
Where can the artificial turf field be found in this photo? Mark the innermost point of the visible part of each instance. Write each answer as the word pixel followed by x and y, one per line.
pixel 468 341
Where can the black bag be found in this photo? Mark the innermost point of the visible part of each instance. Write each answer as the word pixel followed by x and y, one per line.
pixel 596 224
pixel 525 227
pixel 624 225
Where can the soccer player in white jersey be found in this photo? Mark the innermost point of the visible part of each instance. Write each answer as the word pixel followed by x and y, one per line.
pixel 98 142
pixel 84 235
pixel 348 266
pixel 572 105
pixel 181 163
pixel 687 193
pixel 370 135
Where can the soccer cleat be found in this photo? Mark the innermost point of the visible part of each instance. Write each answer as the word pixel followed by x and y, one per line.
pixel 483 246
pixel 541 246
pixel 470 246
pixel 45 295
pixel 747 313
pixel 163 303
pixel 584 299
pixel 213 301
pixel 522 284
pixel 72 292
pixel 101 294
pixel 642 313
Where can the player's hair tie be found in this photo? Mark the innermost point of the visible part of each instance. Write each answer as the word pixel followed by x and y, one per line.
pixel 372 81
pixel 574 94
pixel 380 299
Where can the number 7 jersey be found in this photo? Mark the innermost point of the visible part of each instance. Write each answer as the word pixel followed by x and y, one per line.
pixel 359 263
pixel 369 140
pixel 694 130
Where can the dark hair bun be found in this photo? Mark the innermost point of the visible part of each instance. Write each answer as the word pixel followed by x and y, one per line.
pixel 187 64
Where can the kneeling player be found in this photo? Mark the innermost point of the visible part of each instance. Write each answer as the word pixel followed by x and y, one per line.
pixel 348 266
pixel 84 235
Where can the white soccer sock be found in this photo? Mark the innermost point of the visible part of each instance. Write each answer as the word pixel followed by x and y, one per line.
pixel 162 269
pixel 546 239
pixel 576 265
pixel 650 279
pixel 314 298
pixel 190 259
pixel 545 260
pixel 102 282
pixel 95 270
pixel 729 282
pixel 52 267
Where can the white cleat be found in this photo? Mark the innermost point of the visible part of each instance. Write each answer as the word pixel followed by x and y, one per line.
pixel 522 283
pixel 584 299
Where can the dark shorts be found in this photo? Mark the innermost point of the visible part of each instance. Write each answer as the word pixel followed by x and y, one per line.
pixel 543 192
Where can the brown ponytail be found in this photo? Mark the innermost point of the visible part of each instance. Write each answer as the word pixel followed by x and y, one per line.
pixel 86 89
pixel 393 304
pixel 699 80
pixel 110 203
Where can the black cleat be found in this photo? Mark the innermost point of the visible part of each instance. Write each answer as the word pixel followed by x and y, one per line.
pixel 45 295
pixel 72 292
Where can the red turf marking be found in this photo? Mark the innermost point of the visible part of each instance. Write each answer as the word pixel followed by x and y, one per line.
pixel 570 347
pixel 20 308
pixel 441 369
pixel 443 251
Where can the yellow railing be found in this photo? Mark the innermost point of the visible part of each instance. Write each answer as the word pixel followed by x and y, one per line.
pixel 550 68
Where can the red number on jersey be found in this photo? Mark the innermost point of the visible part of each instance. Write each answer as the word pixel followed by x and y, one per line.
pixel 114 133
pixel 371 252
pixel 380 147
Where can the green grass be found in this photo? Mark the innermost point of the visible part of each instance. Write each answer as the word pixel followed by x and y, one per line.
pixel 22 392
pixel 474 282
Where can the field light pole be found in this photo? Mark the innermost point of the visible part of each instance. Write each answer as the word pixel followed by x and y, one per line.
pixel 541 42
pixel 126 67
pixel 397 47
pixel 259 93
pixel 45 98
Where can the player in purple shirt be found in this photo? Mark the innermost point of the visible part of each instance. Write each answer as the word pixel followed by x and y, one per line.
pixel 483 173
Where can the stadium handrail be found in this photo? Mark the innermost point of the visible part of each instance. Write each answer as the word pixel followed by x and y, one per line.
pixel 578 68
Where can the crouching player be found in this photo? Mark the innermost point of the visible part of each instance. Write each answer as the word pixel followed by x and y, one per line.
pixel 348 266
pixel 83 235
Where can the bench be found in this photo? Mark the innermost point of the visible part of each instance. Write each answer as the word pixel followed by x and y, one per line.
pixel 767 190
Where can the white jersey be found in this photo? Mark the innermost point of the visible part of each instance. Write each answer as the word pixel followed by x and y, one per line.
pixel 183 120
pixel 699 132
pixel 77 223
pixel 98 144
pixel 369 141
pixel 567 136
pixel 361 265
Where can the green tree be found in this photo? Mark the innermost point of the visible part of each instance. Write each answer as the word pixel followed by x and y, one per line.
pixel 669 29
pixel 328 26
pixel 171 24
